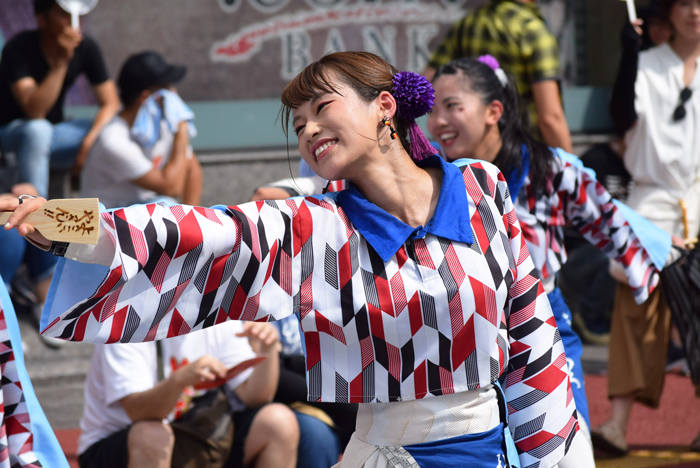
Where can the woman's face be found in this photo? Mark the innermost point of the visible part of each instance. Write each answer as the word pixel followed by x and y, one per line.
pixel 685 18
pixel 336 131
pixel 659 31
pixel 459 120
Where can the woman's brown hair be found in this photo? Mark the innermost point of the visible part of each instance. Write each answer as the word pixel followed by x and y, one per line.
pixel 666 7
pixel 367 74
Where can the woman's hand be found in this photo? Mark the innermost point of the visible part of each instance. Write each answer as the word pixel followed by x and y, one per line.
pixel 24 188
pixel 20 212
pixel 679 242
pixel 263 336
pixel 205 369
pixel 617 271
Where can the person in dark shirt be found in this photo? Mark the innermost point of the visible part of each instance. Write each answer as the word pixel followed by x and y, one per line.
pixel 36 70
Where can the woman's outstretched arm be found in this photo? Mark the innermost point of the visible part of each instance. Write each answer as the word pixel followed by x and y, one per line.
pixel 176 269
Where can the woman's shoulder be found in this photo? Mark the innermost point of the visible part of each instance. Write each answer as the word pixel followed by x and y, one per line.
pixel 658 59
pixel 473 165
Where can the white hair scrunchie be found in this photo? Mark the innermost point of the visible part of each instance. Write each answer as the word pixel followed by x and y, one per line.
pixel 501 75
pixel 492 63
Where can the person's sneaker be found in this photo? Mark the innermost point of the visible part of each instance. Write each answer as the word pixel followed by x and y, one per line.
pixel 49 341
pixel 610 439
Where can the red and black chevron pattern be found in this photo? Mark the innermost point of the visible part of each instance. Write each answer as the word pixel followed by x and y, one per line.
pixel 439 317
pixel 577 197
pixel 16 440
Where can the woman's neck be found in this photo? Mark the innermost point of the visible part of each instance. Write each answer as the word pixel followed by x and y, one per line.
pixel 489 146
pixel 688 51
pixel 402 189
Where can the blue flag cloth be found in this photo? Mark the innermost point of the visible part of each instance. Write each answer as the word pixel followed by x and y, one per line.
pixel 27 438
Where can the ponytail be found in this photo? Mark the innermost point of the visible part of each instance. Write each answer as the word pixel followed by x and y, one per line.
pixel 491 83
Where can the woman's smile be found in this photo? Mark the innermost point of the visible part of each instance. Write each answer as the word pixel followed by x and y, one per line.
pixel 321 148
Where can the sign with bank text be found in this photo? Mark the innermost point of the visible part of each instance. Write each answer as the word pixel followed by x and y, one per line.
pixel 249 49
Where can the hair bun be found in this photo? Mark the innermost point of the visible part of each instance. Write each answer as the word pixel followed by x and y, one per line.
pixel 414 94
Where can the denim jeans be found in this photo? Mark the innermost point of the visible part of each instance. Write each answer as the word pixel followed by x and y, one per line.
pixel 14 250
pixel 319 445
pixel 39 145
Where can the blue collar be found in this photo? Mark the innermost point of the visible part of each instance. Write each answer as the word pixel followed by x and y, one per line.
pixel 386 233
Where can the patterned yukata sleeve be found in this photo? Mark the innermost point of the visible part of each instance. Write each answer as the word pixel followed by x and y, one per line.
pixel 591 210
pixel 179 268
pixel 542 412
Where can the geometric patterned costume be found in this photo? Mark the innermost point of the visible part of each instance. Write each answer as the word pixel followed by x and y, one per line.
pixel 389 312
pixel 26 438
pixel 576 196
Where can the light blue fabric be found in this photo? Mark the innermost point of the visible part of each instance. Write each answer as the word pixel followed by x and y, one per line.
pixel 38 145
pixel 46 446
pixel 73 282
pixel 511 449
pixel 573 349
pixel 386 233
pixel 146 126
pixel 656 241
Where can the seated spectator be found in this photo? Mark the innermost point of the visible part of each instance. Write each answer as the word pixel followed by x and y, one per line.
pixel 125 406
pixel 143 154
pixel 14 251
pixel 36 70
pixel 325 427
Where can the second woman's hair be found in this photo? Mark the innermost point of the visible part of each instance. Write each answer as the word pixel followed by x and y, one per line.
pixel 482 79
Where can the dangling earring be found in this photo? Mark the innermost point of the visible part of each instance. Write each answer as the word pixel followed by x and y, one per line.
pixel 387 123
pixel 326 188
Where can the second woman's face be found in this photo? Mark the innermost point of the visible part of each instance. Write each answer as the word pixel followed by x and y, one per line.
pixel 685 18
pixel 336 131
pixel 458 119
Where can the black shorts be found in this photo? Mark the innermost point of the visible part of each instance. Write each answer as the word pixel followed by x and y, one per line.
pixel 242 420
pixel 110 452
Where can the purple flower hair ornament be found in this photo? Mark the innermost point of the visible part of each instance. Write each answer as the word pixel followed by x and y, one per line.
pixel 491 61
pixel 415 96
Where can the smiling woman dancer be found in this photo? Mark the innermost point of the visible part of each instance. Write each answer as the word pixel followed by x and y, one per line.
pixel 476 116
pixel 414 288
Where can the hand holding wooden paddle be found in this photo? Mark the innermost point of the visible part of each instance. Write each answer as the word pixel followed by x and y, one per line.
pixel 70 220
